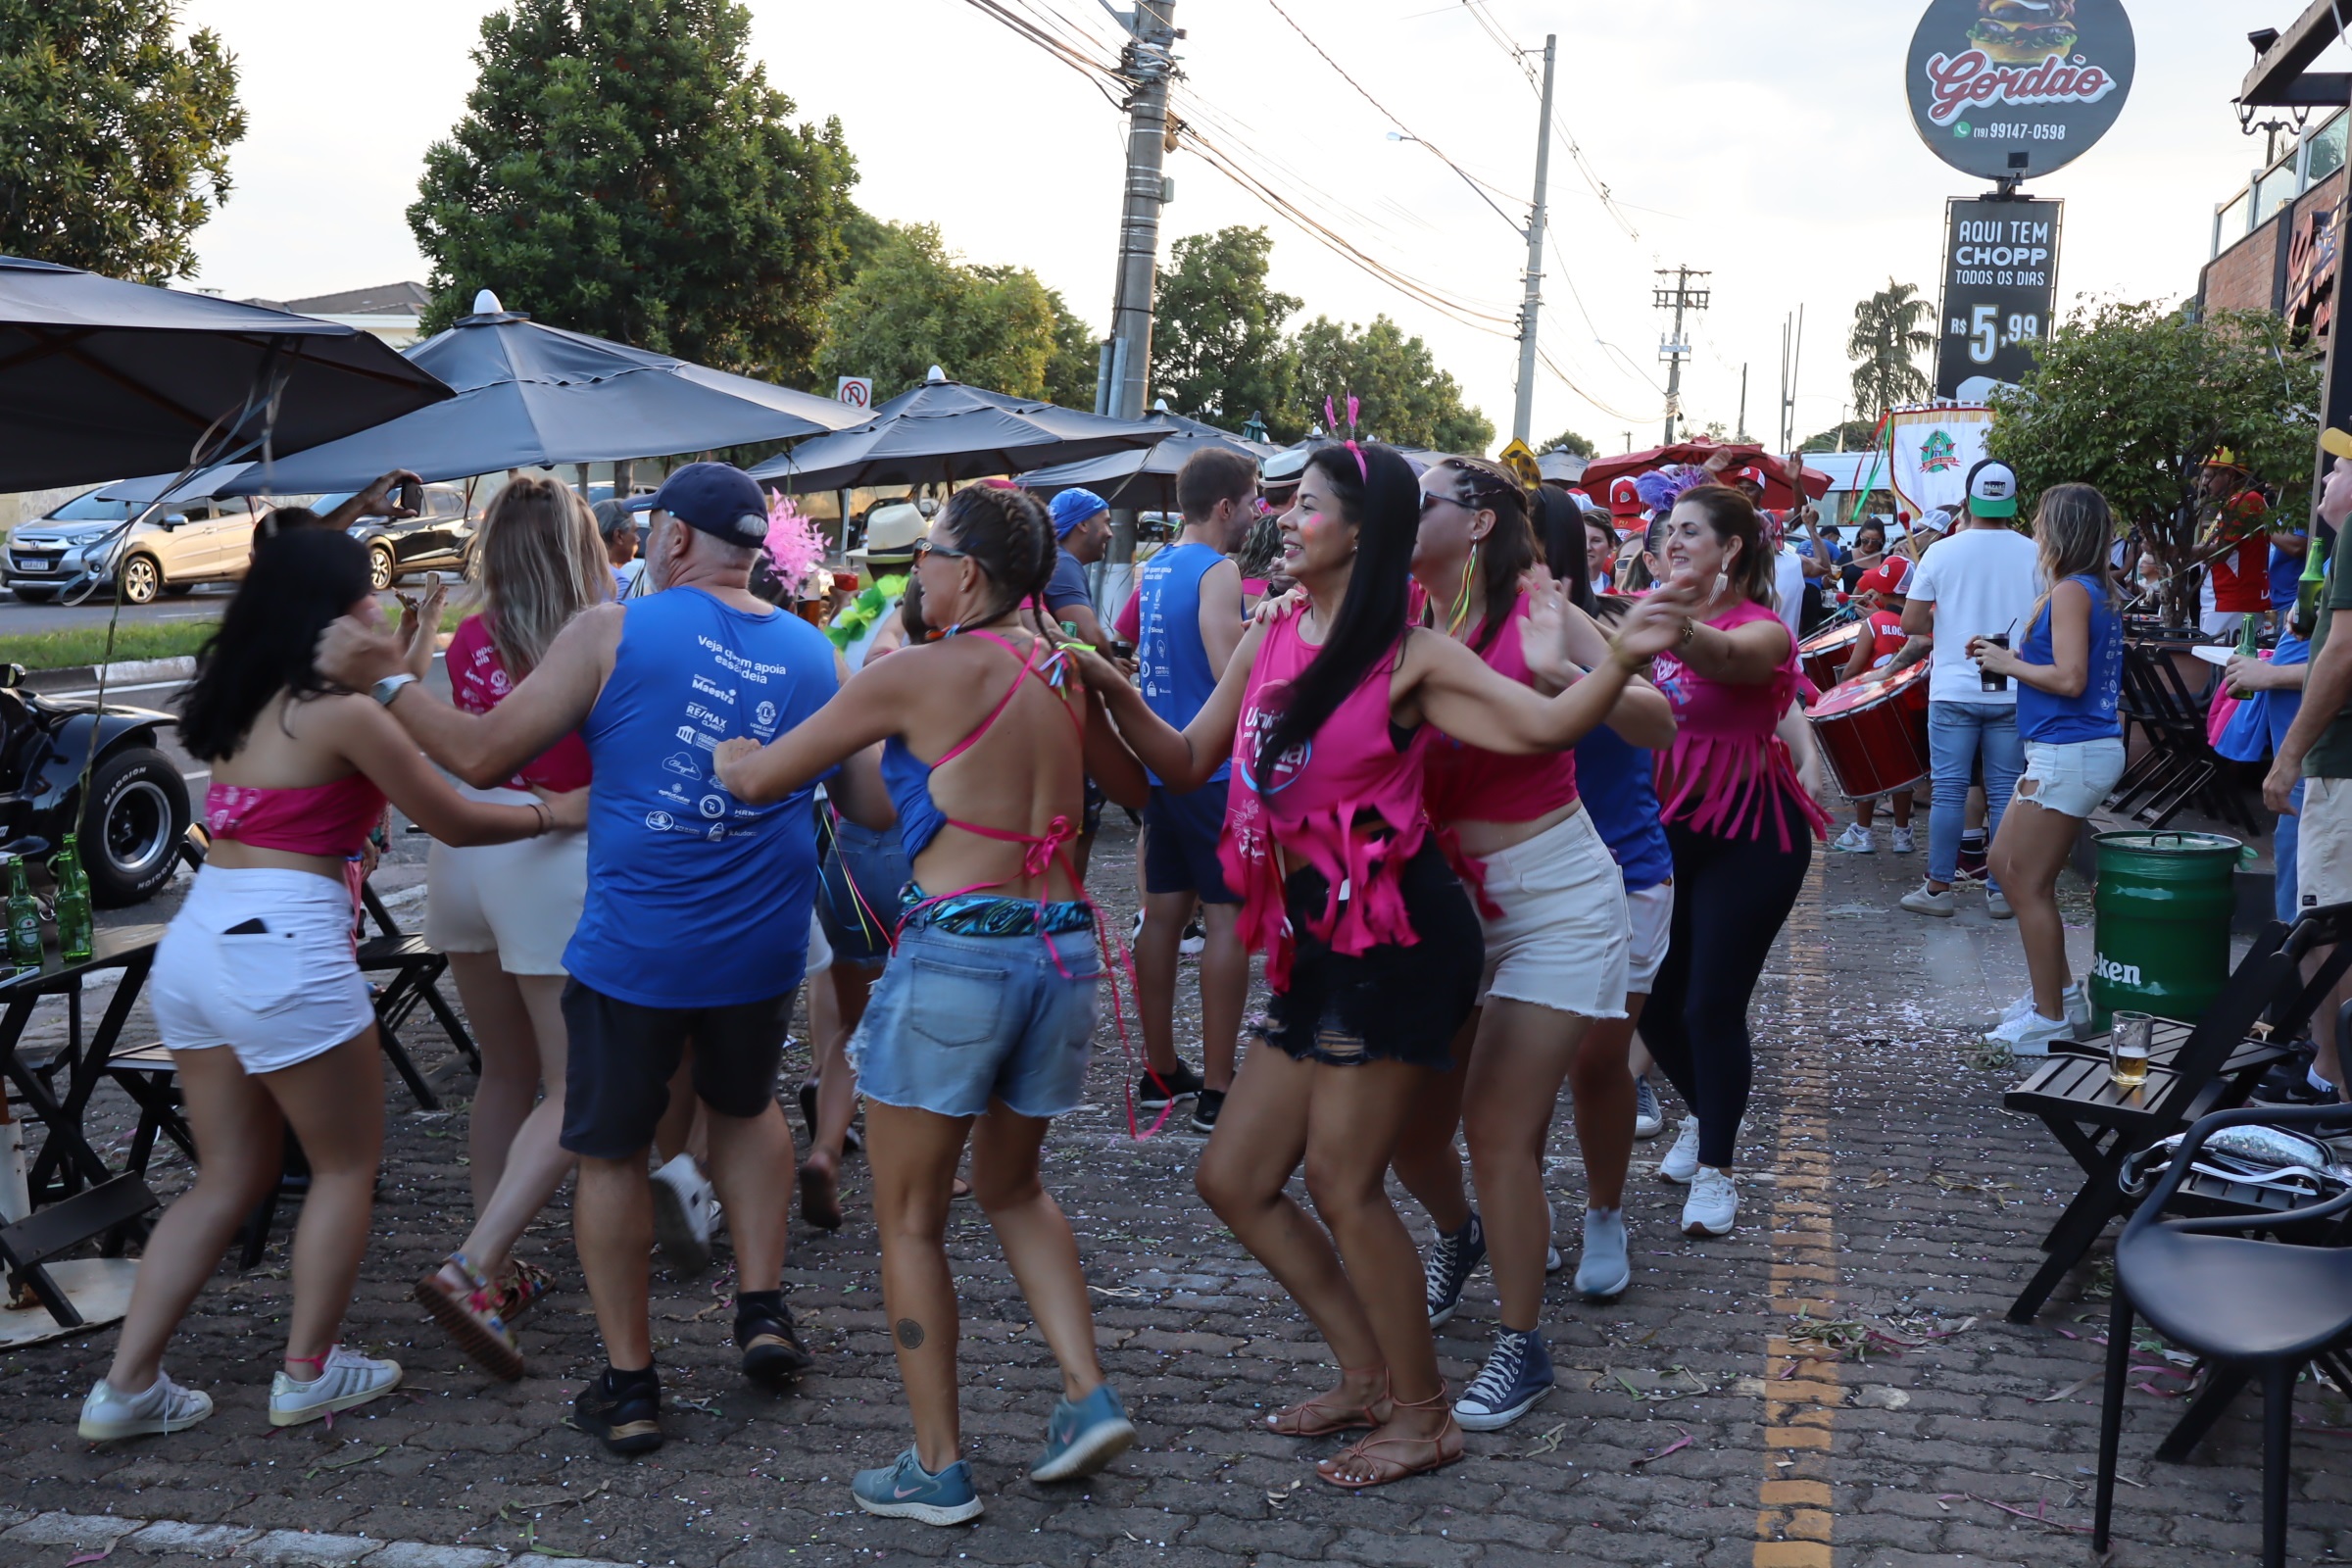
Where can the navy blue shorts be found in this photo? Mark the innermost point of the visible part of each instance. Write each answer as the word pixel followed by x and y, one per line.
pixel 858 880
pixel 1180 843
pixel 623 1056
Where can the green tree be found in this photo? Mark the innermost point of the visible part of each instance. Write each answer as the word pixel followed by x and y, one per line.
pixel 1854 435
pixel 1570 442
pixel 1217 349
pixel 114 134
pixel 1403 397
pixel 914 303
pixel 1888 336
pixel 2135 398
pixel 623 170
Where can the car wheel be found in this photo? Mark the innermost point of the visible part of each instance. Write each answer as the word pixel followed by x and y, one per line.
pixel 131 826
pixel 142 580
pixel 34 596
pixel 381 568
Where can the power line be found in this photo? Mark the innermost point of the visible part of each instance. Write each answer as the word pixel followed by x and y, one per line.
pixel 1559 128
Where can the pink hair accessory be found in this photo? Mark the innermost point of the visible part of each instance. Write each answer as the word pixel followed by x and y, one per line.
pixel 794 546
pixel 1362 469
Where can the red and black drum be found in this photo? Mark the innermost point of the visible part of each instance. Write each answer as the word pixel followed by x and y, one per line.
pixel 1874 734
pixel 1823 656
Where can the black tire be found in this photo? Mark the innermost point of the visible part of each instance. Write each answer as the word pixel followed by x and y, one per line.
pixel 382 569
pixel 131 826
pixel 34 596
pixel 142 579
pixel 179 590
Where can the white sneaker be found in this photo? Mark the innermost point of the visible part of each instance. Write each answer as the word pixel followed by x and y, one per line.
pixel 1904 843
pixel 1649 1120
pixel 1996 905
pixel 166 1406
pixel 1713 1206
pixel 1855 840
pixel 685 1207
pixel 2074 1002
pixel 1924 900
pixel 346 1378
pixel 1682 1161
pixel 1553 1262
pixel 2030 1035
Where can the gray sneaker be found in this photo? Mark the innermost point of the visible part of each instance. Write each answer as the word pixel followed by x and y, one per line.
pixel 1649 1120
pixel 1924 900
pixel 1996 905
pixel 164 1407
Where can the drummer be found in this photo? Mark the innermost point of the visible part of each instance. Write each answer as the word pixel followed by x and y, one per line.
pixel 1882 591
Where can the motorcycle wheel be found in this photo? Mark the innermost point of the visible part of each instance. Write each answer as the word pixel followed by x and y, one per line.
pixel 132 826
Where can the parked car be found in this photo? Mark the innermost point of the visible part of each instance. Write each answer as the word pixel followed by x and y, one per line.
pixel 171 552
pixel 439 538
pixel 137 809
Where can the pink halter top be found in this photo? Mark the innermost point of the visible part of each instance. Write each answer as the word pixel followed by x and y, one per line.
pixel 1728 772
pixel 1470 785
pixel 1346 802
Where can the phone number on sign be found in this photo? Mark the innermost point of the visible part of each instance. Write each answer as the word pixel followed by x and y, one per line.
pixel 2010 130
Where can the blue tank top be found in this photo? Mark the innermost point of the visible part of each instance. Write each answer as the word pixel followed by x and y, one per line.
pixel 1171 661
pixel 1617 781
pixel 908 778
pixel 2090 717
pixel 695 899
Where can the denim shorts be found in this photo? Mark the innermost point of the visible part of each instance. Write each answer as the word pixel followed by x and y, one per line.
pixel 859 877
pixel 956 1021
pixel 2071 778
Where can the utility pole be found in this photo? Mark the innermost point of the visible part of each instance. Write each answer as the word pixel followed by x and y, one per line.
pixel 1739 430
pixel 1146 62
pixel 1523 411
pixel 1792 349
pixel 1676 347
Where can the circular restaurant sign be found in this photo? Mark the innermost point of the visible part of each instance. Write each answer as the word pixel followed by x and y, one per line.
pixel 2018 87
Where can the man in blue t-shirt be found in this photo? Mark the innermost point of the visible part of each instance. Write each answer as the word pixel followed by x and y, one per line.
pixel 676 866
pixel 1188 621
pixel 1082 526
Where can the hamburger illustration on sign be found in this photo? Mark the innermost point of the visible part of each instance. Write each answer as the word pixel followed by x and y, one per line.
pixel 2010 89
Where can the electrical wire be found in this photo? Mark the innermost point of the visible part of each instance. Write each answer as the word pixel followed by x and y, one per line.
pixel 1559 128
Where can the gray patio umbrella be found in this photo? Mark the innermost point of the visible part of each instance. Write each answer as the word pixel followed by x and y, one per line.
pixel 534 396
pixel 944 430
pixel 1144 480
pixel 99 378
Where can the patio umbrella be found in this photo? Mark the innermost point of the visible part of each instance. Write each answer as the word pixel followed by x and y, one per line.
pixel 534 396
pixel 1777 491
pixel 946 430
pixel 99 378
pixel 1144 480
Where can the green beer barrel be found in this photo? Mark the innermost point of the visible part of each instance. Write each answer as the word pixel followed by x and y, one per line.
pixel 2162 939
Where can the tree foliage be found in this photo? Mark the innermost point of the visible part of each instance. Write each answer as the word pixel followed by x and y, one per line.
pixel 2135 398
pixel 1217 350
pixel 1854 435
pixel 1570 442
pixel 623 170
pixel 914 303
pixel 1403 398
pixel 1888 336
pixel 114 135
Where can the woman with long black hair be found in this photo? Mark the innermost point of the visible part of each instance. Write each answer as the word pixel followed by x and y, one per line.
pixel 1373 950
pixel 260 960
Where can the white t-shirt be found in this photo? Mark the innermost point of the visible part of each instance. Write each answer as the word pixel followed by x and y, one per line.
pixel 1789 585
pixel 1982 582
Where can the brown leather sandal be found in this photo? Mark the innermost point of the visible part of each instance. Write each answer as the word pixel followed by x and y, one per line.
pixel 1387 1470
pixel 1318 1417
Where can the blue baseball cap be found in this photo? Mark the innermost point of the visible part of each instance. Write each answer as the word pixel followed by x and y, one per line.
pixel 718 498
pixel 1072 508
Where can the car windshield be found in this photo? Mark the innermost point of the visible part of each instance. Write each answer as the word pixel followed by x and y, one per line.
pixel 87 508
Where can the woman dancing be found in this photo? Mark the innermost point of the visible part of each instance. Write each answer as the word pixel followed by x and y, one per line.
pixel 1738 820
pixel 979 1026
pixel 2069 671
pixel 260 960
pixel 1552 914
pixel 504 913
pixel 1373 951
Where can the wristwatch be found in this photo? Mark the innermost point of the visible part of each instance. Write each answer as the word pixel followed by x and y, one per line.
pixel 383 691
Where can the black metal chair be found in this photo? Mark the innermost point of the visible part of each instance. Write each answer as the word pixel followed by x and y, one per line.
pixel 2179 765
pixel 2256 1308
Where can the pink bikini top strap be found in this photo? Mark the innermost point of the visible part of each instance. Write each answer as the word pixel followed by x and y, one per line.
pixel 1029 666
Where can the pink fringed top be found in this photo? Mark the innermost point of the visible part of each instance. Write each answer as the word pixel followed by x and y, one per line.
pixel 1346 802
pixel 1728 772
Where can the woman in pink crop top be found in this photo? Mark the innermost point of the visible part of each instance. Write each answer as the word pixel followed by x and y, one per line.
pixel 1372 947
pixel 1552 910
pixel 1742 826
pixel 259 959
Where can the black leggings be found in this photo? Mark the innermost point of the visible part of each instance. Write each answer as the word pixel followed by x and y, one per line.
pixel 1731 898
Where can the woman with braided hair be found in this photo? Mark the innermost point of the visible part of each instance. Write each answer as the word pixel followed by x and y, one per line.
pixel 979 1027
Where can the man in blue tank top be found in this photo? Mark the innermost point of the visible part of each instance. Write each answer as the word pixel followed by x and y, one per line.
pixel 1188 621
pixel 717 889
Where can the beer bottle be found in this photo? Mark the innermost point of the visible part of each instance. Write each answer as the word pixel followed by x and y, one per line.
pixel 75 933
pixel 2306 589
pixel 24 919
pixel 2249 639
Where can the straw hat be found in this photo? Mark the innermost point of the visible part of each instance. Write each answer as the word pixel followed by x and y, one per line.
pixel 890 534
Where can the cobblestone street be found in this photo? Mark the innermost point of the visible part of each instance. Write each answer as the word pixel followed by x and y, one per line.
pixel 1700 1419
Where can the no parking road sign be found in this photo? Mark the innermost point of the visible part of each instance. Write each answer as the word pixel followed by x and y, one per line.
pixel 857 391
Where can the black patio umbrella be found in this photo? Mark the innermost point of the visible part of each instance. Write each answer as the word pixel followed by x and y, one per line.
pixel 534 396
pixel 945 430
pixel 100 378
pixel 1144 480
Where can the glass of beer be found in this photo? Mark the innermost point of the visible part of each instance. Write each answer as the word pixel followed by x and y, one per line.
pixel 2127 1047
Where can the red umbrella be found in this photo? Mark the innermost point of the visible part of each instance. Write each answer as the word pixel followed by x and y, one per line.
pixel 1775 471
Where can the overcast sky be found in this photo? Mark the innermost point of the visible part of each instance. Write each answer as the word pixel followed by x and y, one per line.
pixel 1765 140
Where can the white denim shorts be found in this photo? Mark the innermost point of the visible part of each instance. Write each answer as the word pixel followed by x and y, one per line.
pixel 2324 847
pixel 2072 777
pixel 1561 941
pixel 261 962
pixel 1651 912
pixel 518 900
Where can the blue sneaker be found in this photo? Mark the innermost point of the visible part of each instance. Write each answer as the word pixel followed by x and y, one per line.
pixel 1082 1438
pixel 1515 1379
pixel 1449 1265
pixel 908 1490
